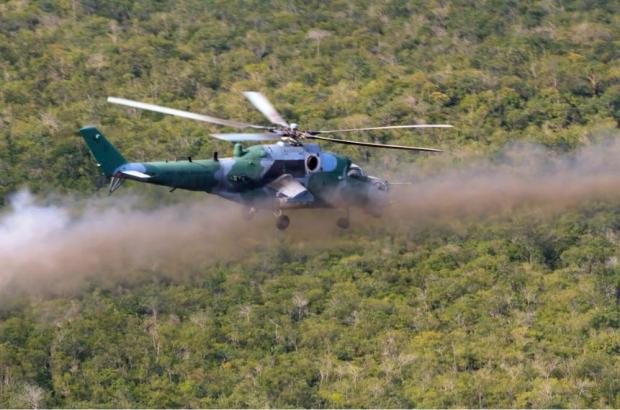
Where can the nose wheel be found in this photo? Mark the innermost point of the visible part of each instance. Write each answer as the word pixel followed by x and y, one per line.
pixel 282 222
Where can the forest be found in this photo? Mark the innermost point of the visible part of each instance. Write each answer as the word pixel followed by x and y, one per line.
pixel 515 305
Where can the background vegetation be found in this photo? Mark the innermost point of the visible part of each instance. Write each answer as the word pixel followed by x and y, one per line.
pixel 522 310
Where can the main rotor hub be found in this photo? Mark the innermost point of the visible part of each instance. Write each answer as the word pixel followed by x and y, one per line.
pixel 291 134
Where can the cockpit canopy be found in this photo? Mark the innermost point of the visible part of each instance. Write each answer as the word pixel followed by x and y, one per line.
pixel 355 171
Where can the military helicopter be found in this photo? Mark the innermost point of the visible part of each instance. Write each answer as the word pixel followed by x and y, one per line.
pixel 292 173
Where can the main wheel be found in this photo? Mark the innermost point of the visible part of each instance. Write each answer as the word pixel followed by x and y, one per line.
pixel 282 222
pixel 343 223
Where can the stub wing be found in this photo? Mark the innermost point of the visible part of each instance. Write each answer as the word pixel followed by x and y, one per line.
pixel 290 192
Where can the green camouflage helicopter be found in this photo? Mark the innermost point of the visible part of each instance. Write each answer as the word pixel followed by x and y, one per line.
pixel 291 173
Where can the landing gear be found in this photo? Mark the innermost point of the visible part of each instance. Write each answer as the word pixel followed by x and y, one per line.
pixel 282 222
pixel 343 222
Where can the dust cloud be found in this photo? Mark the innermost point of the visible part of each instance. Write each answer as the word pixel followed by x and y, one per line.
pixel 51 247
pixel 520 176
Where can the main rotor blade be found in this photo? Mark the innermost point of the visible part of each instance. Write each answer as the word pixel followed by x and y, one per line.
pixel 247 137
pixel 263 105
pixel 184 114
pixel 371 144
pixel 388 127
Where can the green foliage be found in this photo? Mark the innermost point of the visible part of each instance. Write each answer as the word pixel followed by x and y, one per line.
pixel 523 312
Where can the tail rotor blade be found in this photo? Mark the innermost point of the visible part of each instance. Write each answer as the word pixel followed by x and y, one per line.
pixel 264 106
pixel 184 114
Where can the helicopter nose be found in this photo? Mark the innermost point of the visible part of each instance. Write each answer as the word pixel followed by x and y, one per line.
pixel 378 195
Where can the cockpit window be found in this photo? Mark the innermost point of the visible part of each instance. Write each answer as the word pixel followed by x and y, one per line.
pixel 355 171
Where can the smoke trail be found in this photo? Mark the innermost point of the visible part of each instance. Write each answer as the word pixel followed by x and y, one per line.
pixel 53 248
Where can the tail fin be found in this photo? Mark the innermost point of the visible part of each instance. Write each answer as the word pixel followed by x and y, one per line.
pixel 106 155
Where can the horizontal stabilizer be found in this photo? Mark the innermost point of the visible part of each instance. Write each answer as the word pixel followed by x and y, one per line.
pixel 140 176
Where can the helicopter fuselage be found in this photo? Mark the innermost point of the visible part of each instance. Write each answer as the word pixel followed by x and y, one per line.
pixel 274 176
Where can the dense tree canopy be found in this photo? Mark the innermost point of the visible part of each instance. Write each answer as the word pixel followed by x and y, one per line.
pixel 522 310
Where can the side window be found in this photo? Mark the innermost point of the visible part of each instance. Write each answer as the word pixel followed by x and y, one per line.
pixel 296 168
